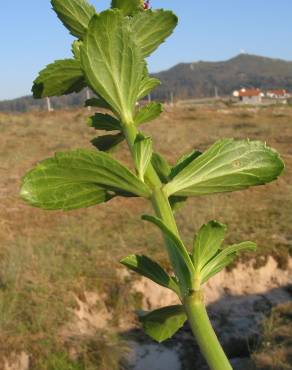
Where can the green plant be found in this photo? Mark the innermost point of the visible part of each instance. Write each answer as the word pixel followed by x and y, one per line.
pixel 109 57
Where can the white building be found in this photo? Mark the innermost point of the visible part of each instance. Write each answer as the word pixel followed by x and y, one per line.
pixel 249 96
pixel 277 94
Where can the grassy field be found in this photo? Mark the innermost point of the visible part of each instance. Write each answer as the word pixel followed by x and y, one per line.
pixel 275 350
pixel 48 257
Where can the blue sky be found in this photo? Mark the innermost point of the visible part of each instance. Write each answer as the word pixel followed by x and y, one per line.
pixel 32 36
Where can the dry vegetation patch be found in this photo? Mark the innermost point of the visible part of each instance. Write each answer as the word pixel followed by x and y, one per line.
pixel 48 257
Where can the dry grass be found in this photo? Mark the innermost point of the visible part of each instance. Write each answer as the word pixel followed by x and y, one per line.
pixel 275 350
pixel 27 138
pixel 46 256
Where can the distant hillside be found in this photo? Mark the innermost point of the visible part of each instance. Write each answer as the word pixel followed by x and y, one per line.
pixel 192 80
pixel 28 103
pixel 199 79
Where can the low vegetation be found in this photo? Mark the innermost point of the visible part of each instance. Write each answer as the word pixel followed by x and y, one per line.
pixel 44 264
pixel 275 349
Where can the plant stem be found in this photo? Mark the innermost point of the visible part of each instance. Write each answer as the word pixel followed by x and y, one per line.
pixel 194 305
pixel 204 333
pixel 130 131
pixel 159 199
pixel 163 209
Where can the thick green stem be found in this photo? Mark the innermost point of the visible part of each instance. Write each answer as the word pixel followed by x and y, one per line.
pixel 151 177
pixel 159 199
pixel 163 209
pixel 204 332
pixel 194 305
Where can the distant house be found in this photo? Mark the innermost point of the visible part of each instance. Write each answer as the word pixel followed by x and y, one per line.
pixel 249 96
pixel 277 94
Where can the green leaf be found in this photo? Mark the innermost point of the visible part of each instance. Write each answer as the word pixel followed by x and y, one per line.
pixel 177 203
pixel 53 187
pixel 163 323
pixel 105 122
pixel 208 273
pixel 112 62
pixel 208 256
pixel 107 143
pixel 128 7
pixel 147 85
pixel 161 167
pixel 59 78
pixel 223 258
pixel 97 102
pixel 150 269
pixel 165 173
pixel 74 14
pixel 235 248
pixel 142 154
pixel 229 165
pixel 76 49
pixel 185 160
pixel 148 113
pixel 207 243
pixel 178 255
pixel 44 185
pixel 151 28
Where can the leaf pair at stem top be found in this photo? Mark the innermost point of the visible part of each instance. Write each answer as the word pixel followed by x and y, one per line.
pixel 208 257
pixel 110 54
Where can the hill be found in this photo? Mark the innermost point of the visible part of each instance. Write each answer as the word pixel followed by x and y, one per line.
pixel 199 79
pixel 28 103
pixel 192 80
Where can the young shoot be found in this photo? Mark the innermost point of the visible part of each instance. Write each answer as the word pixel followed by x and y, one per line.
pixel 109 57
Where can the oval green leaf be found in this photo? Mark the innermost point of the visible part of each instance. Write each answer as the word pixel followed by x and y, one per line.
pixel 59 78
pixel 105 122
pixel 224 258
pixel 145 266
pixel 128 7
pixel 112 62
pixel 48 184
pixel 53 187
pixel 207 243
pixel 151 28
pixel 148 113
pixel 163 323
pixel 229 165
pixel 107 143
pixel 74 14
pixel 142 153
